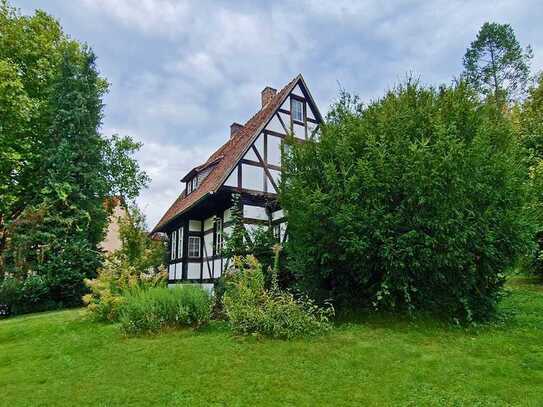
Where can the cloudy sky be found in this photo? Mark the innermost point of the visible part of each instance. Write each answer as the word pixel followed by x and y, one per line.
pixel 182 72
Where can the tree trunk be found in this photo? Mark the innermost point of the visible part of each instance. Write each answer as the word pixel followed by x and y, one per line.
pixel 494 76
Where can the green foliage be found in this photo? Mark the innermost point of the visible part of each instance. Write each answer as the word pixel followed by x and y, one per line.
pixel 123 174
pixel 137 248
pixel 56 169
pixel 414 202
pixel 251 309
pixel 150 310
pixel 138 263
pixel 258 242
pixel 9 291
pixel 376 360
pixel 34 293
pixel 528 116
pixel 495 63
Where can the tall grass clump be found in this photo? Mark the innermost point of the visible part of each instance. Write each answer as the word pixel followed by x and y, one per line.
pixel 252 309
pixel 150 310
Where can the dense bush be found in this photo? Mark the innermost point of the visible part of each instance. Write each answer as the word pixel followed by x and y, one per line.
pixel 416 201
pixel 150 310
pixel 251 308
pixel 528 116
pixel 9 292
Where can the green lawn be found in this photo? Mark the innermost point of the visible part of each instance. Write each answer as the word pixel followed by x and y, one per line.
pixel 61 358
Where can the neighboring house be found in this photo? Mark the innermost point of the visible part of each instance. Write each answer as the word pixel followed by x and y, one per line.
pixel 112 240
pixel 249 163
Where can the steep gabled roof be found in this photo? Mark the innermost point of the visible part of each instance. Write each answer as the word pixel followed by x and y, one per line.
pixel 227 156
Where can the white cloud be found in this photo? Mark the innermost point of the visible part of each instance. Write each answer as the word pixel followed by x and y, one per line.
pixel 182 71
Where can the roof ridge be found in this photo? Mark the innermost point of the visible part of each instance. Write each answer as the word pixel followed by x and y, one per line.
pixel 232 151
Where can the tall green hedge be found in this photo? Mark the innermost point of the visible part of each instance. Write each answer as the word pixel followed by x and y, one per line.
pixel 413 202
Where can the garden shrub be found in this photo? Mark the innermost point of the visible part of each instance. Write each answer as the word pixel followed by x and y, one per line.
pixel 10 292
pixel 252 309
pixel 113 280
pixel 29 295
pixel 35 294
pixel 150 310
pixel 414 202
pixel 136 264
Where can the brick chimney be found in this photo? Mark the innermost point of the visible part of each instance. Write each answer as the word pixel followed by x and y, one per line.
pixel 234 128
pixel 267 94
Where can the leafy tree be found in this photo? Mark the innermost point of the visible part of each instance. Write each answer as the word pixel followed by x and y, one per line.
pixel 59 169
pixel 30 51
pixel 414 202
pixel 495 63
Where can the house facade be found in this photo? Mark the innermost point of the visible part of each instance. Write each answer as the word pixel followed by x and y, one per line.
pixel 248 164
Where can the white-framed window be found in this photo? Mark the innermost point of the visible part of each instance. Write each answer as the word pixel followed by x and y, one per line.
pixel 277 231
pixel 218 236
pixel 189 187
pixel 173 240
pixel 297 110
pixel 194 246
pixel 180 243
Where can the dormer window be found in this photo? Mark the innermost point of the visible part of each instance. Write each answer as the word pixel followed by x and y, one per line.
pixel 297 110
pixel 192 185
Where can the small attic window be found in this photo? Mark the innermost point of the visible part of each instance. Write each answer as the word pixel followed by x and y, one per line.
pixel 297 110
pixel 192 184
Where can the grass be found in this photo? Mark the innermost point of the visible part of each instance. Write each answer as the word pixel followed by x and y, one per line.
pixel 61 358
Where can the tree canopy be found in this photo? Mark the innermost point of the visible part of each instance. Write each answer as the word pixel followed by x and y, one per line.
pixel 496 65
pixel 56 168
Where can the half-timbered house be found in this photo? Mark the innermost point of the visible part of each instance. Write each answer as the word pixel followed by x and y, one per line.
pixel 249 164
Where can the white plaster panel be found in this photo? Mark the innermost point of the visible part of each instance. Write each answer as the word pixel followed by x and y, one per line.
pixel 274 150
pixel 217 270
pixel 253 177
pixel 179 271
pixel 297 91
pixel 193 270
pixel 309 112
pixel 275 125
pixel 278 214
pixel 259 144
pixel 195 225
pixel 286 105
pixel 232 180
pixel 206 273
pixel 208 242
pixel 254 212
pixel 250 155
pixel 171 272
pixel 299 131
pixel 286 120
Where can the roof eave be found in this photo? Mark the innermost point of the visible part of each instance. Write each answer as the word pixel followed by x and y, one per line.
pixel 160 227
